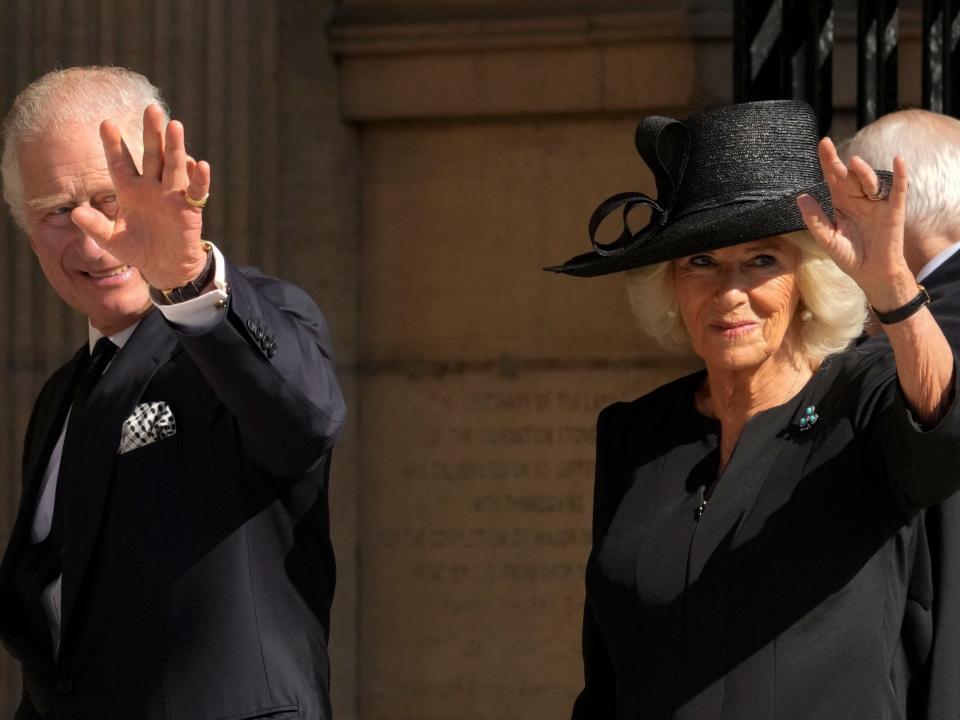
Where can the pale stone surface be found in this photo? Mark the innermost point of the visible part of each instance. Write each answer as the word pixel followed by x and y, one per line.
pixel 584 78
pixel 653 75
pixel 502 82
pixel 460 219
pixel 405 9
pixel 477 522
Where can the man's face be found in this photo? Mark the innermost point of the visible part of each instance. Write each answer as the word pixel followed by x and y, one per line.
pixel 58 175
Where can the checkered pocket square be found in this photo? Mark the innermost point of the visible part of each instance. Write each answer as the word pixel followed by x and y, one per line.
pixel 147 423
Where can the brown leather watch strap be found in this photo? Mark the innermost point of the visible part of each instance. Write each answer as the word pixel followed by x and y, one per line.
pixel 195 287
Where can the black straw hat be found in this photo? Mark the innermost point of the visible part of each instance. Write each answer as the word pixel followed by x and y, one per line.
pixel 724 177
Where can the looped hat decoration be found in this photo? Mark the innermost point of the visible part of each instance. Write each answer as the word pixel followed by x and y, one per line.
pixel 723 177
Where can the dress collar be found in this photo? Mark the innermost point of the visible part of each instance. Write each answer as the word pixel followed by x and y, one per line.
pixel 936 261
pixel 119 338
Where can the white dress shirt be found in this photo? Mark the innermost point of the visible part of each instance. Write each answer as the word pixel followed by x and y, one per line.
pixel 936 261
pixel 195 316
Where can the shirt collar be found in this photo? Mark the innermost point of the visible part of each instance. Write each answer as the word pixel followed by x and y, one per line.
pixel 119 338
pixel 936 261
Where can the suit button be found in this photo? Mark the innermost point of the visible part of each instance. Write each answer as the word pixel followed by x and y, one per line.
pixel 271 351
pixel 251 325
pixel 64 687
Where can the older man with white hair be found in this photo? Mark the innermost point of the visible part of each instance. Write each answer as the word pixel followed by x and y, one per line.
pixel 930 143
pixel 171 556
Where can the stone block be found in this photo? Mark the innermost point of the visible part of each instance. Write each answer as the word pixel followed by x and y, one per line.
pixel 458 221
pixel 476 527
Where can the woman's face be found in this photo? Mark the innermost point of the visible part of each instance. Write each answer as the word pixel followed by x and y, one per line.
pixel 739 304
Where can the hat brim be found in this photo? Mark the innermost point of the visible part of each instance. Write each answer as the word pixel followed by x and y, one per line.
pixel 709 229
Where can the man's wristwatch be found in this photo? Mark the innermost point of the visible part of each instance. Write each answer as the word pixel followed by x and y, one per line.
pixel 195 287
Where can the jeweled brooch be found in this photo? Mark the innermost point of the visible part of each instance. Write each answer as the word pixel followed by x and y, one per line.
pixel 809 418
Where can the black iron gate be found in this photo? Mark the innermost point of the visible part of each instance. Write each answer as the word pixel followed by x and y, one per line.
pixel 784 49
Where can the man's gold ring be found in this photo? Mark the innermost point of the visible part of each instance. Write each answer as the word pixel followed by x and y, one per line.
pixel 195 203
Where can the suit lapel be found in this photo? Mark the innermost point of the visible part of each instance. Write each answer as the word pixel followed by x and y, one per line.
pixel 46 425
pixel 110 403
pixel 44 433
pixel 49 424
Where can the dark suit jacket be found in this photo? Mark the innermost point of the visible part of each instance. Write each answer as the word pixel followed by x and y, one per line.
pixel 197 571
pixel 931 632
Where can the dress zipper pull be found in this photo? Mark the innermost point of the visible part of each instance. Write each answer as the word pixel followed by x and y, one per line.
pixel 703 504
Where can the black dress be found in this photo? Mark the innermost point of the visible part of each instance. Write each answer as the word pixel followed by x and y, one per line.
pixel 784 596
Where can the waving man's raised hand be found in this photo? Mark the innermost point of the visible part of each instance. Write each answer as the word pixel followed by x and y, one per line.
pixel 156 228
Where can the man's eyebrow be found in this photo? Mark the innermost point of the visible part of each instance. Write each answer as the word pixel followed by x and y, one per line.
pixel 48 202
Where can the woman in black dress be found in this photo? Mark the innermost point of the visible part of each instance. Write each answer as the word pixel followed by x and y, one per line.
pixel 755 522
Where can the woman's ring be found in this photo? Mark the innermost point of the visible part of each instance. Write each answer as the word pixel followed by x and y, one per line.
pixel 194 202
pixel 883 190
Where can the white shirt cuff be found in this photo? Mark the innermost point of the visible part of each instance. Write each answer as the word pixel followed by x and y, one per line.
pixel 202 313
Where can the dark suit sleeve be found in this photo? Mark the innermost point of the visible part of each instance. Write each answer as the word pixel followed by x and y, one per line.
pixel 598 699
pixel 921 463
pixel 270 362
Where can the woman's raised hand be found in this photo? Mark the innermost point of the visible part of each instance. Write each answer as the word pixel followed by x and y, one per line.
pixel 866 241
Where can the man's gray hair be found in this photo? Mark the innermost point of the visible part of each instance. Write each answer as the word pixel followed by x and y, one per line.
pixel 930 143
pixel 64 99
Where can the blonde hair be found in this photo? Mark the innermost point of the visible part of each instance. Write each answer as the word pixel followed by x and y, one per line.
pixel 68 98
pixel 837 303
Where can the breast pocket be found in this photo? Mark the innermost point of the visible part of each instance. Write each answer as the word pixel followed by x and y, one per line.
pixel 157 454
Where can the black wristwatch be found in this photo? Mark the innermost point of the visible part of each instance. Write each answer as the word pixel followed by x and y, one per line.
pixel 195 287
pixel 904 311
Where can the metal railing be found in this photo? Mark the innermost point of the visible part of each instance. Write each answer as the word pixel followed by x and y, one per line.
pixel 784 49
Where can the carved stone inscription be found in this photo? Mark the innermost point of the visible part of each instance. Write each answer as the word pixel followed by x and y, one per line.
pixel 476 528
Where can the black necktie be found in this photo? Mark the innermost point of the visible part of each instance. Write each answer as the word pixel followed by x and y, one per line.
pixel 87 377
pixel 103 352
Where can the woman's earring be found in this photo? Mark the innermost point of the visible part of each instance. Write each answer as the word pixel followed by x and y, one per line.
pixel 806 315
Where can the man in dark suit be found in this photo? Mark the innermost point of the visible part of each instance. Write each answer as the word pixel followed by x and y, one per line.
pixel 930 143
pixel 171 555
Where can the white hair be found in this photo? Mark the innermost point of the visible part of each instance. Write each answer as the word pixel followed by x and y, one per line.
pixel 837 303
pixel 930 143
pixel 65 99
